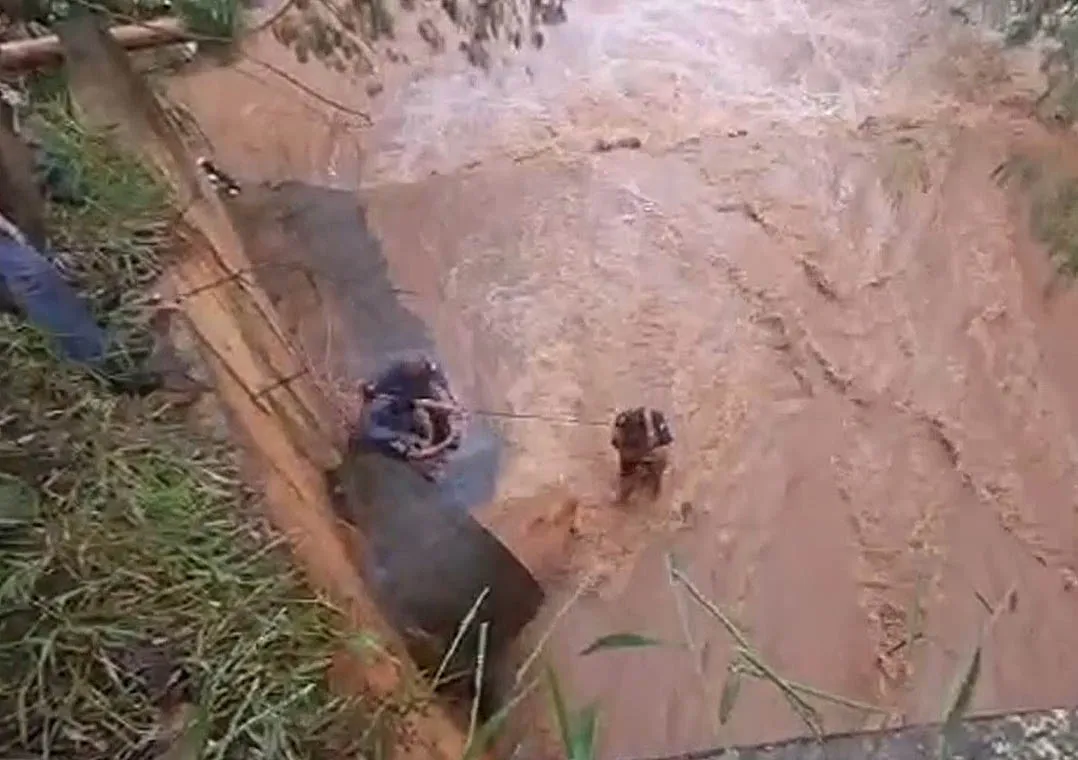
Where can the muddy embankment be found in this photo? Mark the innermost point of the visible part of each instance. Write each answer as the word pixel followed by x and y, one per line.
pixel 808 264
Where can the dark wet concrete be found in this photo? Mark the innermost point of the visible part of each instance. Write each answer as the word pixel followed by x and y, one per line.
pixel 332 240
pixel 429 565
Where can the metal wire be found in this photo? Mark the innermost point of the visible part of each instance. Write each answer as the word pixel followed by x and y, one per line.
pixel 556 419
pixel 566 420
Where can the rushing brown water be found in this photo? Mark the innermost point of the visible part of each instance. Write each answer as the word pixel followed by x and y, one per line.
pixel 808 265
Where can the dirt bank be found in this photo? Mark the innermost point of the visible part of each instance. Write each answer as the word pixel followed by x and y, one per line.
pixel 809 266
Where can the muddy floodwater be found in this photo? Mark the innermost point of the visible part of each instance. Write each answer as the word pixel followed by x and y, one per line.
pixel 806 264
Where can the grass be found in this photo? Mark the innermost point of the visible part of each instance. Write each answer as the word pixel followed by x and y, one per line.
pixel 218 19
pixel 212 20
pixel 141 597
pixel 1055 222
pixel 1053 203
pixel 1054 195
pixel 112 235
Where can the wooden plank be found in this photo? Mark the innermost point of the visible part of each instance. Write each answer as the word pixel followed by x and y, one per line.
pixel 48 52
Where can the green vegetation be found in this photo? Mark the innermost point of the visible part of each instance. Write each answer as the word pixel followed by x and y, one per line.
pixel 1057 21
pixel 578 732
pixel 141 598
pixel 216 20
pixel 1055 222
pixel 1054 206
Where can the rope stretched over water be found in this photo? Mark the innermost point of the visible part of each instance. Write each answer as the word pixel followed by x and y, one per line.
pixel 560 420
pixel 556 419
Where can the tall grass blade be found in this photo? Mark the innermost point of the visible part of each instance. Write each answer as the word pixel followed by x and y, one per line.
pixel 561 713
pixel 619 641
pixel 584 734
pixel 462 629
pixel 488 732
pixel 962 691
pixel 965 686
pixel 480 668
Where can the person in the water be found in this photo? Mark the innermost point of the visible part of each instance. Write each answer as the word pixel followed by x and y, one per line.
pixel 642 438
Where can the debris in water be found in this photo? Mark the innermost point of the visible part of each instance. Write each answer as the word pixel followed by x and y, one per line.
pixel 1070 579
pixel 476 53
pixel 374 88
pixel 751 213
pixel 550 12
pixel 869 125
pixel 430 34
pixel 285 31
pixel 818 279
pixel 221 181
pixel 302 52
pixel 603 145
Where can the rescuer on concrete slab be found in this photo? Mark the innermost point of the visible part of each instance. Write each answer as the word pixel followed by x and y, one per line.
pixel 410 413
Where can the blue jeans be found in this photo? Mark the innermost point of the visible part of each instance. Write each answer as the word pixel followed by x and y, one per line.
pixel 50 303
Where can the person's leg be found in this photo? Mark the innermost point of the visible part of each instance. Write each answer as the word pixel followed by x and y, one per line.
pixel 654 477
pixel 628 472
pixel 423 426
pixel 385 425
pixel 38 288
pixel 656 470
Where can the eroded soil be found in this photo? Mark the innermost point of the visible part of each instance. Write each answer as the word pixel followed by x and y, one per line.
pixel 807 263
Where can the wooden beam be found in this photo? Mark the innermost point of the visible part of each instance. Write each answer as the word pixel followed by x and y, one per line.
pixel 47 52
